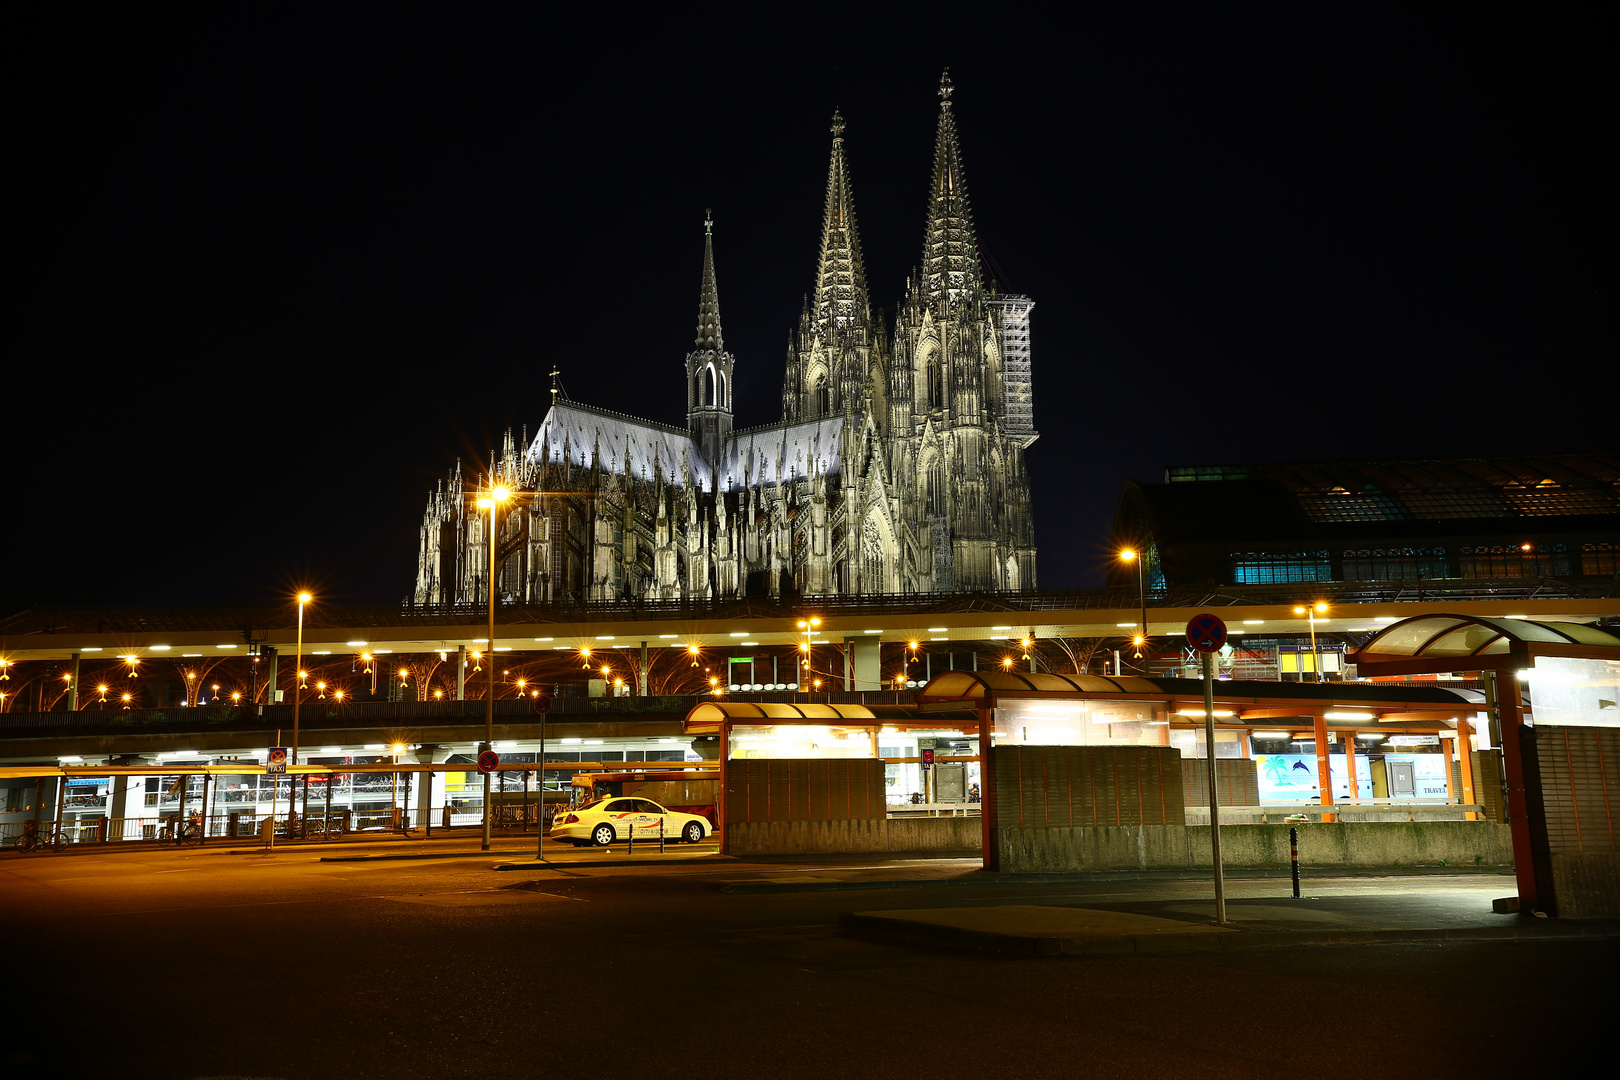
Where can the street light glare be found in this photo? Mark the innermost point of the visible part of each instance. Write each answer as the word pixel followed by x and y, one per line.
pixel 1127 555
pixel 304 598
pixel 501 494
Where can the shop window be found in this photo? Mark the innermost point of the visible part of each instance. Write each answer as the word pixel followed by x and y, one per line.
pixel 1278 568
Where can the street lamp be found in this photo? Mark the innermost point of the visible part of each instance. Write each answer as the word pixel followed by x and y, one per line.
pixel 1140 641
pixel 493 500
pixel 298 660
pixel 1316 654
pixel 807 627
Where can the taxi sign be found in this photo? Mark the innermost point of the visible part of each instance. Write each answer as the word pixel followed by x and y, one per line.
pixel 927 758
pixel 489 761
pixel 542 703
pixel 275 762
pixel 1206 633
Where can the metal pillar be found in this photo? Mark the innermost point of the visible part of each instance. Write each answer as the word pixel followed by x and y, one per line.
pixel 461 673
pixel 1324 770
pixel 643 679
pixel 73 686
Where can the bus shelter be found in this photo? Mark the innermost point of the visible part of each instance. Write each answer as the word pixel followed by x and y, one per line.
pixel 1045 709
pixel 1553 702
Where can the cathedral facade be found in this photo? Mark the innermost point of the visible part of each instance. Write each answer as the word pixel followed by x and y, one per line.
pixel 897 465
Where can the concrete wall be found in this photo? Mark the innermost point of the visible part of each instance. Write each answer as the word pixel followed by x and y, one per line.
pixel 1587 884
pixel 959 834
pixel 1259 847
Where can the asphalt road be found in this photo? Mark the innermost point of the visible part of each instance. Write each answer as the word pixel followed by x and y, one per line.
pixel 190 964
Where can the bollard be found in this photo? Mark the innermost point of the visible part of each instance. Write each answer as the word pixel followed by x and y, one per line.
pixel 632 849
pixel 660 836
pixel 1293 857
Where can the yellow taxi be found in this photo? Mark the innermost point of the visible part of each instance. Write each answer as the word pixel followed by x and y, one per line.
pixel 606 820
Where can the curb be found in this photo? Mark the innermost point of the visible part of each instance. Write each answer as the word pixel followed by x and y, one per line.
pixel 677 860
pixel 985 877
pixel 904 932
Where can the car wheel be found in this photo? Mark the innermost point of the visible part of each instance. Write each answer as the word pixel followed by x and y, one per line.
pixel 603 835
pixel 693 833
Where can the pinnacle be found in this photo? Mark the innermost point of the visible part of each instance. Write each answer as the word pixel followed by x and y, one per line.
pixel 708 329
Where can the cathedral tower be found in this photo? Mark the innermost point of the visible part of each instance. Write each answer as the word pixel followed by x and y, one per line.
pixel 708 365
pixel 830 354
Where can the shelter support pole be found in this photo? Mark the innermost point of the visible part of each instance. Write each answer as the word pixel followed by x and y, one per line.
pixel 1516 740
pixel 461 673
pixel 1324 769
pixel 987 787
pixel 643 679
pixel 1465 753
pixel 720 793
pixel 1350 765
pixel 1445 751
pixel 73 686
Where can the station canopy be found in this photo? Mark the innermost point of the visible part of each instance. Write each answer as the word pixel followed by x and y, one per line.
pixel 1444 636
pixel 710 716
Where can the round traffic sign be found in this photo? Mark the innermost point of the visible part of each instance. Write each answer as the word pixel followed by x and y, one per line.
pixel 489 761
pixel 542 703
pixel 1206 633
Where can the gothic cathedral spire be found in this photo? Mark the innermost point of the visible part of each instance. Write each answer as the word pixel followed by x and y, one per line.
pixel 840 294
pixel 708 331
pixel 708 365
pixel 951 270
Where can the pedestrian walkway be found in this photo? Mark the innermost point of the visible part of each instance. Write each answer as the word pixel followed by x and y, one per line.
pixel 1448 911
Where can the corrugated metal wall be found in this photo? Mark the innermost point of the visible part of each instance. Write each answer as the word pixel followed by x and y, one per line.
pixel 1061 786
pixel 804 789
pixel 1580 787
pixel 1236 781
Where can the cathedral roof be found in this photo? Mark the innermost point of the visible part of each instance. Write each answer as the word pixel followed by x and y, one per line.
pixel 761 456
pixel 653 448
pixel 765 454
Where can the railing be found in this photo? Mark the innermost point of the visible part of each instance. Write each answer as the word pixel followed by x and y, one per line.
pixel 1365 810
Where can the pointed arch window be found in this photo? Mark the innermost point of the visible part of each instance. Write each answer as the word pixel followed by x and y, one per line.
pixel 823 397
pixel 936 382
pixel 708 385
pixel 936 489
pixel 724 397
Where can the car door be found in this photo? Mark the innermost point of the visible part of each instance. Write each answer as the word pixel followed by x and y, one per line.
pixel 657 814
pixel 622 813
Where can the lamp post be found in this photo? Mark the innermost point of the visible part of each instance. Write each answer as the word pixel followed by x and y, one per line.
pixel 807 627
pixel 1316 655
pixel 298 687
pixel 493 500
pixel 1140 641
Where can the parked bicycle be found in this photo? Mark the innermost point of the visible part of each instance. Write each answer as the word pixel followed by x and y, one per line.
pixel 35 836
pixel 178 833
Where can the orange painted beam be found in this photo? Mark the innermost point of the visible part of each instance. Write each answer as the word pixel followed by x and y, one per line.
pixel 1324 775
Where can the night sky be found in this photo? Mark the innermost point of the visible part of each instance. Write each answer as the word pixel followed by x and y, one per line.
pixel 278 268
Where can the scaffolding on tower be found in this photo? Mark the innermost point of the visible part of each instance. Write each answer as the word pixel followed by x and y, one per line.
pixel 1016 362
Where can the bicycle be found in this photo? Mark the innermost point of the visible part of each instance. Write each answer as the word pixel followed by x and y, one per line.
pixel 36 836
pixel 177 833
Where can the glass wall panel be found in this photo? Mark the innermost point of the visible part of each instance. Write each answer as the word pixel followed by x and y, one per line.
pixel 1574 692
pixel 1080 723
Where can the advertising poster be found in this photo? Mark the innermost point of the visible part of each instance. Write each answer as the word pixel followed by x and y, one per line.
pixel 1291 778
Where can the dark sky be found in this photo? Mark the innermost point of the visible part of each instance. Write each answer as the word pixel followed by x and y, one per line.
pixel 279 267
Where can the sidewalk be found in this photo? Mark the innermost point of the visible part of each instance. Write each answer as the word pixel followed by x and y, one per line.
pixel 1173 926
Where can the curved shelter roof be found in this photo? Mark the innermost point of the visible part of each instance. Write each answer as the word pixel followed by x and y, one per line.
pixel 1442 642
pixel 710 716
pixel 976 688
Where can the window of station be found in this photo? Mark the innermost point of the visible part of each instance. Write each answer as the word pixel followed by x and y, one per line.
pixel 1279 568
pixel 1340 505
pixel 1600 559
pixel 1395 564
pixel 1512 561
pixel 1080 723
pixel 1431 504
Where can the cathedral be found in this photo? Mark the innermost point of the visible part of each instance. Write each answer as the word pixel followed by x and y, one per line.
pixel 897 465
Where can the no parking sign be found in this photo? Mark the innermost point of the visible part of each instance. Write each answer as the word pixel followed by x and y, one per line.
pixel 488 761
pixel 275 761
